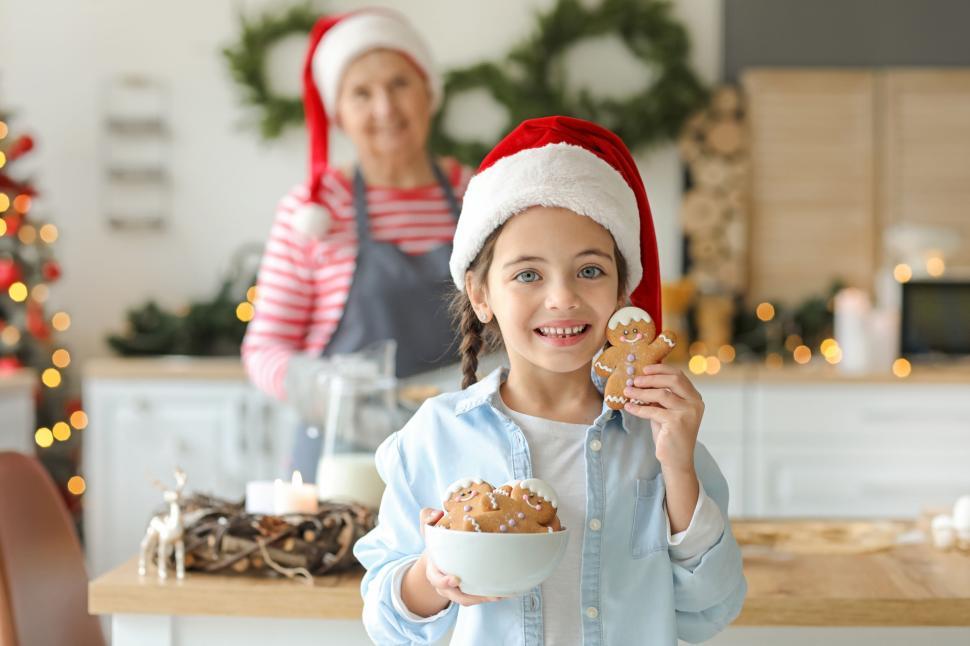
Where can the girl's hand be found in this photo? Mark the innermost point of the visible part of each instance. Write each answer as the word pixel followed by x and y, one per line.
pixel 674 408
pixel 445 585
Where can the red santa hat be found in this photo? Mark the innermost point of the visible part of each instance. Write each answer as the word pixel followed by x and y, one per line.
pixel 572 164
pixel 335 42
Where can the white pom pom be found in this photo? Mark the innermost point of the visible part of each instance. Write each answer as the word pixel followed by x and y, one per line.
pixel 311 219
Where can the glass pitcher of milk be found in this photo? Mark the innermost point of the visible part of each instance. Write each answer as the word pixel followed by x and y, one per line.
pixel 361 411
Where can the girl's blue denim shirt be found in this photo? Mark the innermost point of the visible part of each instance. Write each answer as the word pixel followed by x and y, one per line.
pixel 631 591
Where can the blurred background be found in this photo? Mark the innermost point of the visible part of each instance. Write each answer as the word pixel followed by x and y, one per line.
pixel 808 167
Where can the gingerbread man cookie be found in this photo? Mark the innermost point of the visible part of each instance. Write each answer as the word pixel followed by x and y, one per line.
pixel 520 507
pixel 631 334
pixel 465 497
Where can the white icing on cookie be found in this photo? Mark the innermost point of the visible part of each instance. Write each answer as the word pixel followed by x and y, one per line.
pixel 616 398
pixel 666 339
pixel 542 489
pixel 491 497
pixel 625 315
pixel 474 523
pixel 458 485
pixel 603 366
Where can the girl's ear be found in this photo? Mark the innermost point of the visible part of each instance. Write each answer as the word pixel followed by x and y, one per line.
pixel 478 297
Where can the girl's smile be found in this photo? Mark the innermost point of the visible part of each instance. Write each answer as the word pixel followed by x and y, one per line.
pixel 561 333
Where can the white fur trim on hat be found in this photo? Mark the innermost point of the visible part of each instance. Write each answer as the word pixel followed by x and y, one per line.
pixel 560 175
pixel 625 315
pixel 360 33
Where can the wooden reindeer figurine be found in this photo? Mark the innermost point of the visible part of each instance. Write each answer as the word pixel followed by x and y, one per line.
pixel 165 531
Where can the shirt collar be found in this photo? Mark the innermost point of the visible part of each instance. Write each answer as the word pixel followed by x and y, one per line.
pixel 485 391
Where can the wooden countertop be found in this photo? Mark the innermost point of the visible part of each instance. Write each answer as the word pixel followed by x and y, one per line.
pixel 231 369
pixel 907 585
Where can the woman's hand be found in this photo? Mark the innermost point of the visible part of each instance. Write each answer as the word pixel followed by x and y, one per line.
pixel 445 585
pixel 674 408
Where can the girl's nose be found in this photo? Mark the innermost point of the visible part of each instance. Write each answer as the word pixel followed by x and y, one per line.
pixel 562 296
pixel 383 104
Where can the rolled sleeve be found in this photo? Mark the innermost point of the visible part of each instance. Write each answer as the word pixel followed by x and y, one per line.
pixel 388 550
pixel 709 595
pixel 703 532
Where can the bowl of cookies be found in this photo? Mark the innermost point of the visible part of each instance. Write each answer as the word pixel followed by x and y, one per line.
pixel 499 542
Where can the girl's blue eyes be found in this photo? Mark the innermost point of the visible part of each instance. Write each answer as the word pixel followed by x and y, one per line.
pixel 530 276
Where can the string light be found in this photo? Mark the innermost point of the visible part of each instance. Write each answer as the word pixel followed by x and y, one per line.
pixel 27 234
pixel 834 355
pixel 713 365
pixel 902 368
pixel 765 311
pixel 51 378
pixel 4 202
pixel 792 342
pixel 245 312
pixel 935 266
pixel 3 129
pixel 902 273
pixel 61 358
pixel 21 203
pixel 3 224
pixel 251 294
pixel 61 321
pixel 48 233
pixel 76 485
pixel 10 335
pixel 697 347
pixel 774 360
pixel 802 354
pixel 726 353
pixel 40 293
pixel 43 437
pixel 62 432
pixel 3 159
pixel 18 292
pixel 79 420
pixel 697 364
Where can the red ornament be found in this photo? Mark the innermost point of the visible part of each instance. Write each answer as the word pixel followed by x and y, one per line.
pixel 9 273
pixel 51 271
pixel 14 220
pixel 9 364
pixel 36 324
pixel 21 146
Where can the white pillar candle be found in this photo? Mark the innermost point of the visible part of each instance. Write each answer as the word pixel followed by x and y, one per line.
pixel 852 308
pixel 350 477
pixel 260 497
pixel 294 497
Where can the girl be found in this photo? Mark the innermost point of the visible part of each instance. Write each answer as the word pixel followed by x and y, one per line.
pixel 555 233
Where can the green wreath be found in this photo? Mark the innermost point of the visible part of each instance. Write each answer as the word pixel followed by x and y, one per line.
pixel 531 84
pixel 247 63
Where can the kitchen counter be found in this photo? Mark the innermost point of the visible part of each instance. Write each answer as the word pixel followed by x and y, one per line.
pixel 905 585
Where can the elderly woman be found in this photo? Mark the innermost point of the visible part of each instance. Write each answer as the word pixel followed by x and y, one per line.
pixel 359 256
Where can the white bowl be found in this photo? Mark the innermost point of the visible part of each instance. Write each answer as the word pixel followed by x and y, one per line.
pixel 496 565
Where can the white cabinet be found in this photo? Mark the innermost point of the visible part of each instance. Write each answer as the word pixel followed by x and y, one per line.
pixel 222 432
pixel 17 411
pixel 722 432
pixel 858 449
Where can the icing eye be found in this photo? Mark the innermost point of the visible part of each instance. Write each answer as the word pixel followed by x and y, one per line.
pixel 625 332
pixel 634 330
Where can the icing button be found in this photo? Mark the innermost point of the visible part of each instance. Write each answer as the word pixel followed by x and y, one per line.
pixel 631 357
pixel 468 507
pixel 503 528
pixel 629 370
pixel 521 515
pixel 629 382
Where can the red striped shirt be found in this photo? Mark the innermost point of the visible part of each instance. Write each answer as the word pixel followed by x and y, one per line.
pixel 303 283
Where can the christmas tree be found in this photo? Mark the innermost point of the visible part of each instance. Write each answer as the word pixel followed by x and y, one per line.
pixel 28 331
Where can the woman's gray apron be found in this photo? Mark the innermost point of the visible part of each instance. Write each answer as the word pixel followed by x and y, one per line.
pixel 393 296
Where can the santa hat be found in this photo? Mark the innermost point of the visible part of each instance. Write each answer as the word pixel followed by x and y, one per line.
pixel 335 42
pixel 572 164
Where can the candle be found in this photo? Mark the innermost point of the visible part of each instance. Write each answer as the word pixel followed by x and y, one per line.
pixel 259 497
pixel 350 477
pixel 852 310
pixel 294 497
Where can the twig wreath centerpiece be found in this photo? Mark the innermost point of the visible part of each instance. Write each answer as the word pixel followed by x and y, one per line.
pixel 222 538
pixel 247 63
pixel 531 81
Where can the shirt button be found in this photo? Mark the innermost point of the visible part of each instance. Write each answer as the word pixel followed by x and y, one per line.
pixel 595 524
pixel 595 445
pixel 592 612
